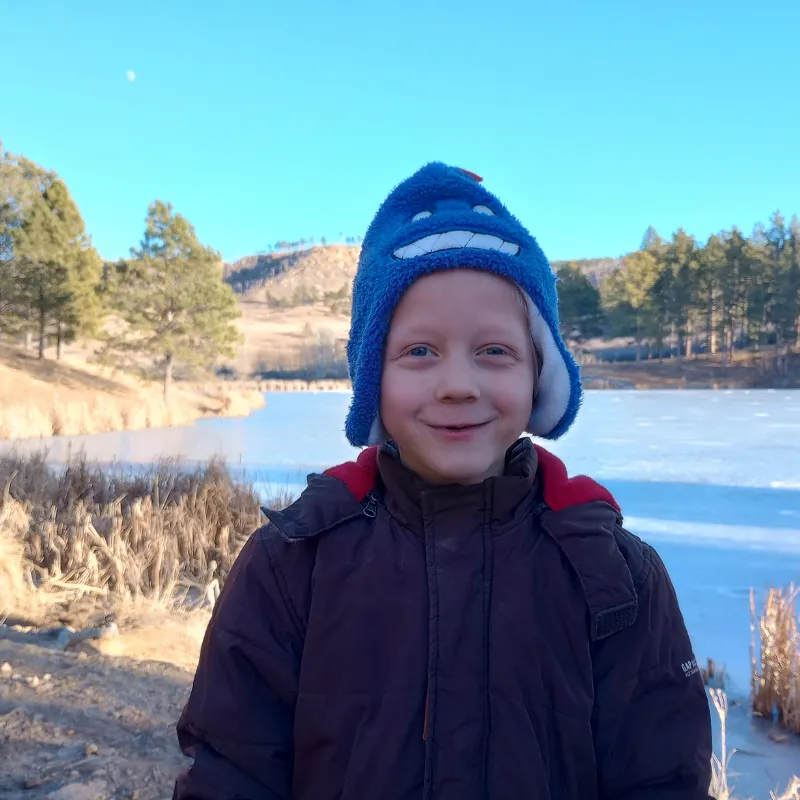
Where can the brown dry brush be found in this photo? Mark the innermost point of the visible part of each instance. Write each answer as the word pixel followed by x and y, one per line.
pixel 775 657
pixel 721 786
pixel 137 534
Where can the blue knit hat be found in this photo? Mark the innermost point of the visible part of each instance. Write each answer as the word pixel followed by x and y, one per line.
pixel 442 218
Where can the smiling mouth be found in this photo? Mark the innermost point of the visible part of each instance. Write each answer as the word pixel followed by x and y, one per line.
pixel 455 240
pixel 458 427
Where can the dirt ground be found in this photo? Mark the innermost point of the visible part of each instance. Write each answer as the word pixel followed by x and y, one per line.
pixel 96 720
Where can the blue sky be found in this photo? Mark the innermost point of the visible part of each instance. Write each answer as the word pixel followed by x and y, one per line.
pixel 263 121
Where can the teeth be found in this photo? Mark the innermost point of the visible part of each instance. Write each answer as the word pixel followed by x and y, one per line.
pixel 410 251
pixel 485 242
pixel 428 242
pixel 455 240
pixel 510 248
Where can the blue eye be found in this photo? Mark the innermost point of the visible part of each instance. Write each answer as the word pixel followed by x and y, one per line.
pixel 496 351
pixel 419 351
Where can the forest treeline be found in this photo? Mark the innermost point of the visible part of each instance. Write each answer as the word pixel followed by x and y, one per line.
pixel 170 305
pixel 680 297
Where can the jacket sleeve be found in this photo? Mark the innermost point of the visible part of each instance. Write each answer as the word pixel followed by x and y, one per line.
pixel 237 724
pixel 652 722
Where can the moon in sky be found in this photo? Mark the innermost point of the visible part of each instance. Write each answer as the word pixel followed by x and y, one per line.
pixel 131 75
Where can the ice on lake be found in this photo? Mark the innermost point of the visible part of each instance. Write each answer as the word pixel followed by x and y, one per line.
pixel 711 478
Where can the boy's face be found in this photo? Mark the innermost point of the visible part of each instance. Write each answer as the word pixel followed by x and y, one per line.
pixel 458 375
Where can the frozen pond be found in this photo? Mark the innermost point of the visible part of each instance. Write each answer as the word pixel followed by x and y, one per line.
pixel 712 479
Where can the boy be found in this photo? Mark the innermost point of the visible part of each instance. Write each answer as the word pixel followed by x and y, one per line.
pixel 449 617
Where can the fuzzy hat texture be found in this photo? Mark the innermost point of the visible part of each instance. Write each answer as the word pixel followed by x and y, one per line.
pixel 443 218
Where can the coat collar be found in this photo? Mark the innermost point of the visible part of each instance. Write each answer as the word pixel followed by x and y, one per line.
pixel 504 500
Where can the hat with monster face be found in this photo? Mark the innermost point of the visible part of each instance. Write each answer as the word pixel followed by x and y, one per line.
pixel 443 218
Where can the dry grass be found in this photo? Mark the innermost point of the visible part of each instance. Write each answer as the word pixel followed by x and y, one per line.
pixel 775 658
pixel 720 787
pixel 105 413
pixel 719 763
pixel 73 397
pixel 282 336
pixel 15 593
pixel 775 682
pixel 101 414
pixel 155 534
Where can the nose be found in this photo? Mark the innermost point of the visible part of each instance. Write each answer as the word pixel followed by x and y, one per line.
pixel 457 381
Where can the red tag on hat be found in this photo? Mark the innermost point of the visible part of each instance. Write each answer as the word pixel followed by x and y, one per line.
pixel 472 175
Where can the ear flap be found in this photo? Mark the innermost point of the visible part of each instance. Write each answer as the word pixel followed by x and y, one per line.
pixel 555 387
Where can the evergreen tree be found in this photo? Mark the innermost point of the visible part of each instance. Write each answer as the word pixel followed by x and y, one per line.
pixel 711 260
pixel 50 269
pixel 21 182
pixel 651 240
pixel 172 300
pixel 781 281
pixel 680 257
pixel 638 277
pixel 580 311
pixel 735 287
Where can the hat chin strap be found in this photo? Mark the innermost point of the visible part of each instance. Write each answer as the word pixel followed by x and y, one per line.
pixel 554 382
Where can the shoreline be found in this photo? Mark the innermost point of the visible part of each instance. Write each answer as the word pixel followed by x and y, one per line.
pixel 102 403
pixel 42 398
pixel 628 376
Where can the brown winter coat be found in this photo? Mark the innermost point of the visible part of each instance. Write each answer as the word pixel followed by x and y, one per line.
pixel 383 639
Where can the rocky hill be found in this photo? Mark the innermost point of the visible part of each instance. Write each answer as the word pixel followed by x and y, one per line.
pixel 296 278
pixel 326 274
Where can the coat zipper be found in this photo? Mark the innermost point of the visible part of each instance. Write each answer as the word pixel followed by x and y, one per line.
pixel 371 510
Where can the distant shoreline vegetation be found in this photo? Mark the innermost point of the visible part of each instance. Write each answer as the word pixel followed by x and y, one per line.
pixel 171 308
pixel 732 299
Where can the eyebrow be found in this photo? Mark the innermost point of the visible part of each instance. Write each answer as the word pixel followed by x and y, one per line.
pixel 490 332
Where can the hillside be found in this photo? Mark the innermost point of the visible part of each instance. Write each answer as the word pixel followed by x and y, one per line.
pixel 327 272
pixel 71 396
pixel 296 309
pixel 295 278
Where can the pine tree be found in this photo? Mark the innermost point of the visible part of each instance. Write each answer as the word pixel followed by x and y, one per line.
pixel 651 241
pixel 639 275
pixel 580 312
pixel 783 278
pixel 711 268
pixel 172 300
pixel 21 182
pixel 50 268
pixel 681 260
pixel 735 287
pixel 794 254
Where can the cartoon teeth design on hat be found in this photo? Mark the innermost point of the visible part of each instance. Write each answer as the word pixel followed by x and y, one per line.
pixel 442 218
